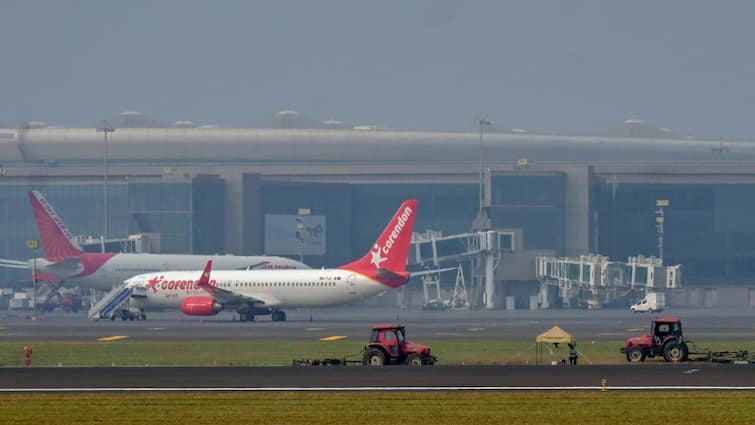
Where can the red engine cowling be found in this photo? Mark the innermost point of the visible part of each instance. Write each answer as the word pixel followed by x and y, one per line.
pixel 200 306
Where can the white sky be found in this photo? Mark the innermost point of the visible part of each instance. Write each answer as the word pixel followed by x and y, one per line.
pixel 562 66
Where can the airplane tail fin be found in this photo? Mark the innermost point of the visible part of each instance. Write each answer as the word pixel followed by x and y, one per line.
pixel 204 280
pixel 57 240
pixel 386 261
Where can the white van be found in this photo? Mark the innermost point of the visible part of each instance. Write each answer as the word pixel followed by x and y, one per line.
pixel 653 302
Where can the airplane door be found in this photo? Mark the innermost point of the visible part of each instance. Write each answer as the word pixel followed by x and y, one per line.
pixel 351 285
pixel 140 288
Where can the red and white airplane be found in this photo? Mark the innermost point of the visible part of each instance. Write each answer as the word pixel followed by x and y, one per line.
pixel 251 292
pixel 65 262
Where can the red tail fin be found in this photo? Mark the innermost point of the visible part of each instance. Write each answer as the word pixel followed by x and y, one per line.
pixel 386 261
pixel 57 240
pixel 204 280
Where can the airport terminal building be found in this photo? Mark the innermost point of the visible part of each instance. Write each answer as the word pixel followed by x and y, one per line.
pixel 325 194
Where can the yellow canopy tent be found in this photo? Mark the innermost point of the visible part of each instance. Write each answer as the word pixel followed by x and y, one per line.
pixel 554 335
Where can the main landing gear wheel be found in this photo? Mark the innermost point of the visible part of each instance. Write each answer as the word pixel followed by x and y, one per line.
pixel 373 357
pixel 278 316
pixel 246 316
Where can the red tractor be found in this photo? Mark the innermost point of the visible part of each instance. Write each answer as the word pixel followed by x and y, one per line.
pixel 388 345
pixel 665 339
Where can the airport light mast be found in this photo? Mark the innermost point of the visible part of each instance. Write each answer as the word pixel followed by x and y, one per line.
pixel 106 128
pixel 660 219
pixel 482 123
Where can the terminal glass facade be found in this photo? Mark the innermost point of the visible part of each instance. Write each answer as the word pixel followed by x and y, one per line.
pixel 80 206
pixel 709 228
pixel 533 203
pixel 357 213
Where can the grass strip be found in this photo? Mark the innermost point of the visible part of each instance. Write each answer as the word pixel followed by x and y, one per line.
pixel 561 408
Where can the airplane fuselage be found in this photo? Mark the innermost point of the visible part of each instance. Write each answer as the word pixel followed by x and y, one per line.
pixel 103 271
pixel 278 289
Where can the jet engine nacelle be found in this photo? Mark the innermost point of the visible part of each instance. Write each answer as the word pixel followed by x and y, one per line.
pixel 200 306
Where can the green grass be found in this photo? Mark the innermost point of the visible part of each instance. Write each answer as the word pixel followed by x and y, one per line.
pixel 561 408
pixel 281 352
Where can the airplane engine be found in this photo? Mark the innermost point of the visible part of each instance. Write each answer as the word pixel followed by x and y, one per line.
pixel 200 306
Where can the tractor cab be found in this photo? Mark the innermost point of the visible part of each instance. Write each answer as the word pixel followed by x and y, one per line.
pixel 665 327
pixel 388 345
pixel 391 339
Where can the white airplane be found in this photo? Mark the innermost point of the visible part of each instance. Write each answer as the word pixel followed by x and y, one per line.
pixel 251 292
pixel 66 262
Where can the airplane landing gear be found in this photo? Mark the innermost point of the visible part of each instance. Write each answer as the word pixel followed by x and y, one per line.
pixel 278 316
pixel 246 315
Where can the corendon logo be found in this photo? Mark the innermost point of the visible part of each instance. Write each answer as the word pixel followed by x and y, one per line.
pixel 153 283
pixel 160 283
pixel 377 250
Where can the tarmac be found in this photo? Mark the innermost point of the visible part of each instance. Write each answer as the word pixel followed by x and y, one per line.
pixel 355 322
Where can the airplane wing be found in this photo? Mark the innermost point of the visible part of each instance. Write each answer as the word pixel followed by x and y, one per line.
pixel 229 296
pixel 436 271
pixel 14 264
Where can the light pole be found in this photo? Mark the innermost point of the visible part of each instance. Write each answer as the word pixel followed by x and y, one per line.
pixel 300 228
pixel 106 128
pixel 482 123
pixel 34 244
pixel 660 220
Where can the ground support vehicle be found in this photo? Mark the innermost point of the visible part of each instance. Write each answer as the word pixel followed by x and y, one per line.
pixel 652 303
pixel 387 346
pixel 665 339
pixel 128 314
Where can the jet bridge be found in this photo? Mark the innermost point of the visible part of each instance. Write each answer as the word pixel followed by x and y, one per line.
pixel 595 279
pixel 481 249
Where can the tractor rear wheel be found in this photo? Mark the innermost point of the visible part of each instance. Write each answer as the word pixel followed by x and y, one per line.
pixel 413 360
pixel 373 357
pixel 675 352
pixel 635 355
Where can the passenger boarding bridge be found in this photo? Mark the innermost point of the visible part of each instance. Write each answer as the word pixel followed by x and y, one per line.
pixel 481 249
pixel 566 280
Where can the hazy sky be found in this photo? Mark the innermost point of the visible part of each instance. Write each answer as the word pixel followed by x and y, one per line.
pixel 559 66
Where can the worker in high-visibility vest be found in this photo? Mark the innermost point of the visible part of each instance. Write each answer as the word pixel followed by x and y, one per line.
pixel 27 355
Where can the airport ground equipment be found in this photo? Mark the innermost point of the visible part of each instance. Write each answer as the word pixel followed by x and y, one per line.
pixel 666 339
pixel 387 346
pixel 483 249
pixel 434 300
pixel 734 357
pixel 115 304
pixel 566 280
pixel 652 303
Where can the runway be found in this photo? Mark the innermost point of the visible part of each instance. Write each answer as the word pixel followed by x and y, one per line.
pixel 354 322
pixel 682 376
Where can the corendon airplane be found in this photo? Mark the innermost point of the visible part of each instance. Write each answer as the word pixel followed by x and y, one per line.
pixel 67 263
pixel 251 292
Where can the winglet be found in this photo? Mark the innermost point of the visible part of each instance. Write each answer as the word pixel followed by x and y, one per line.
pixel 204 281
